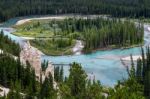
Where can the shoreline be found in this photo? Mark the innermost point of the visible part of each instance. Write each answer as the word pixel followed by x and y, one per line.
pixel 128 58
pixel 82 52
pixel 111 48
pixel 60 17
pixel 78 48
pixel 27 38
pixel 148 29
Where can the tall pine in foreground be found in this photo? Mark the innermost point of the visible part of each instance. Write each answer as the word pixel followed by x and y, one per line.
pixel 142 73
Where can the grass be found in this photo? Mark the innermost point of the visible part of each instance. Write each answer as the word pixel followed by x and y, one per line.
pixel 34 29
pixel 33 33
pixel 49 47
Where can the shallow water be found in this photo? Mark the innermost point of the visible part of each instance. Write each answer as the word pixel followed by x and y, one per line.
pixel 105 65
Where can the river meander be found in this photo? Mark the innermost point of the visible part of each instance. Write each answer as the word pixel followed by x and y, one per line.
pixel 105 65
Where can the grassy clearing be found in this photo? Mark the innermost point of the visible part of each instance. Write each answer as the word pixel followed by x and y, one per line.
pixel 54 47
pixel 34 29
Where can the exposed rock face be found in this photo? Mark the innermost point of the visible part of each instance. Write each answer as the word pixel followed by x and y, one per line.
pixel 33 56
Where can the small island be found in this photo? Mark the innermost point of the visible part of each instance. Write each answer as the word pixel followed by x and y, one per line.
pixel 58 37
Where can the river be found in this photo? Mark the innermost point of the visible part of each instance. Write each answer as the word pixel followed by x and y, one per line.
pixel 105 65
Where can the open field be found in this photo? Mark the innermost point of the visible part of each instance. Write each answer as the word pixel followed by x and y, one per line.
pixel 34 29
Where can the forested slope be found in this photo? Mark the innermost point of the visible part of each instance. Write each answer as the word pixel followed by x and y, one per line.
pixel 9 46
pixel 118 8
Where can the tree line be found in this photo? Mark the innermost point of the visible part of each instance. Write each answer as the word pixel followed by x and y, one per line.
pixel 101 33
pixel 117 8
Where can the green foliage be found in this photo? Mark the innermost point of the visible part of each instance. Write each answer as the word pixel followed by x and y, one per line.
pixel 77 80
pixel 58 74
pixel 7 45
pixel 130 90
pixel 139 70
pixel 140 76
pixel 103 33
pixel 55 46
pixel 94 90
pixel 47 91
pixel 77 86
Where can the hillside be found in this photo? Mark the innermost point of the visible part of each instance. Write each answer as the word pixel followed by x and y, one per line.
pixel 117 8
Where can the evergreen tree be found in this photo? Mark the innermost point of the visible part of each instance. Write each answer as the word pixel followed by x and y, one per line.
pixel 61 75
pixel 77 80
pixel 139 70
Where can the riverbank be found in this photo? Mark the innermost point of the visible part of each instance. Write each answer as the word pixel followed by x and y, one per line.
pixel 128 58
pixel 148 29
pixel 110 48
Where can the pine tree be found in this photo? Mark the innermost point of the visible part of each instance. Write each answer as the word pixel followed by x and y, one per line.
pixel 61 77
pixel 139 70
pixel 143 61
pixel 132 70
pixel 77 80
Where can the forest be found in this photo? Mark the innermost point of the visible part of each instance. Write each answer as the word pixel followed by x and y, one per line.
pixel 116 8
pixel 104 33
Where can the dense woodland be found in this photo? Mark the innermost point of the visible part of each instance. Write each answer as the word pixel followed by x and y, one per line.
pixel 103 33
pixel 7 45
pixel 117 8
